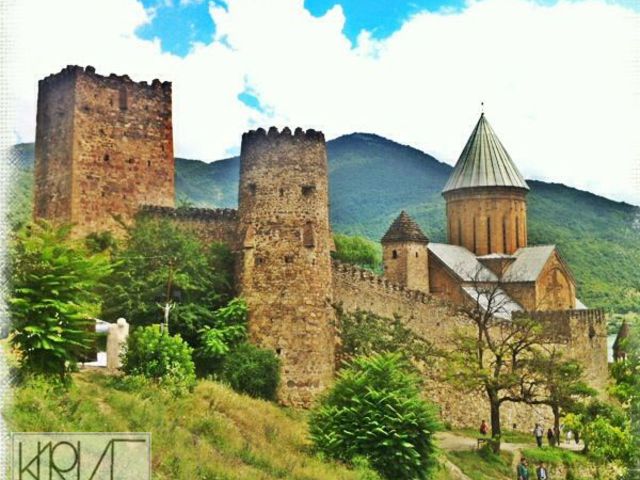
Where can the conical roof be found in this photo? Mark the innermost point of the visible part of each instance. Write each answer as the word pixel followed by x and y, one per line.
pixel 484 162
pixel 404 229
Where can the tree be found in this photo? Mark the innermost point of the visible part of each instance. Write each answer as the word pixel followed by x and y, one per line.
pixel 358 251
pixel 557 383
pixel 53 298
pixel 374 410
pixel 364 333
pixel 164 263
pixel 493 350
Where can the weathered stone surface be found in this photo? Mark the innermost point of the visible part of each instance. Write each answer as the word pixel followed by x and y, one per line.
pixel 104 147
pixel 487 220
pixel 285 273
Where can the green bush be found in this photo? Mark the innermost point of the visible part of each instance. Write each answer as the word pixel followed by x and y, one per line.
pixel 52 299
pixel 374 410
pixel 358 250
pixel 253 371
pixel 227 331
pixel 157 355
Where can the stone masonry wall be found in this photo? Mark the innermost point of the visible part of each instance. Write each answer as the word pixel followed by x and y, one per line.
pixel 581 333
pixel 209 225
pixel 54 140
pixel 120 152
pixel 285 273
pixel 487 220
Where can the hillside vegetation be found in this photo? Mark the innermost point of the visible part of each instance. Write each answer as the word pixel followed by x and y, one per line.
pixel 371 179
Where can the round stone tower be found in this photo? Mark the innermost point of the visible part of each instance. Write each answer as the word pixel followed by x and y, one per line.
pixel 486 197
pixel 285 269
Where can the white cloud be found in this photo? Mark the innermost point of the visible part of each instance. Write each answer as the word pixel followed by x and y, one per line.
pixel 557 81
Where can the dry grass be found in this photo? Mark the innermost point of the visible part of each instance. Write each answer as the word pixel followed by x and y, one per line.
pixel 211 433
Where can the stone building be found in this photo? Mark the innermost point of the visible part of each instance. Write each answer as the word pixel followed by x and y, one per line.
pixel 104 148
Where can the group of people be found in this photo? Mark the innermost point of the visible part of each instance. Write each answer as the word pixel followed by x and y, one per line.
pixel 524 474
pixel 553 437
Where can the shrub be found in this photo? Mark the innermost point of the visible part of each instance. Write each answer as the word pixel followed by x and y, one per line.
pixel 374 410
pixel 157 355
pixel 228 330
pixel 253 371
pixel 358 250
pixel 52 299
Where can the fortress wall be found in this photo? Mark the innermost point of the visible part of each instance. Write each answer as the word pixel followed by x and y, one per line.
pixel 209 225
pixel 581 335
pixel 435 320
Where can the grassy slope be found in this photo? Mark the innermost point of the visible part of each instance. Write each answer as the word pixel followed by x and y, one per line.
pixel 212 433
pixel 372 179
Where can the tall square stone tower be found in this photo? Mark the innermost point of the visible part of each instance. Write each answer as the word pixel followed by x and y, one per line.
pixel 104 146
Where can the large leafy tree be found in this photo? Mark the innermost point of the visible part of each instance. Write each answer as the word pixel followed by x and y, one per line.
pixel 358 251
pixel 163 265
pixel 53 297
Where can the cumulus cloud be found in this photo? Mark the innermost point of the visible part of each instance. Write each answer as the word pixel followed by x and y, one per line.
pixel 557 81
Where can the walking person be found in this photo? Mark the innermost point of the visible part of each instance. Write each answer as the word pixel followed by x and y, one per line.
pixel 551 438
pixel 538 432
pixel 484 428
pixel 523 470
pixel 541 472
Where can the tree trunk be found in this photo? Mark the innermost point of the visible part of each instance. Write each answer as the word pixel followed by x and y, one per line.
pixel 496 432
pixel 556 423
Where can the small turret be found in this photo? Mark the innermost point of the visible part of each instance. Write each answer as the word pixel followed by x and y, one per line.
pixel 405 255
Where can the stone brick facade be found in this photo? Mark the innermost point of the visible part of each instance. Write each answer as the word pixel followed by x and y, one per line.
pixel 104 147
pixel 209 225
pixel 285 269
pixel 487 220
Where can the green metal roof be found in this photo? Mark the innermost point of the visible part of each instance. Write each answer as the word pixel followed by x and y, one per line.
pixel 484 162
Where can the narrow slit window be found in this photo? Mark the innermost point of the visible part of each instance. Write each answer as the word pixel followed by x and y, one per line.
pixel 309 235
pixel 394 254
pixel 517 232
pixel 504 235
pixel 106 157
pixel 488 235
pixel 123 100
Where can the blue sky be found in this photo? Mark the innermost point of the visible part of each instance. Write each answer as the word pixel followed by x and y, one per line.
pixel 179 23
pixel 559 78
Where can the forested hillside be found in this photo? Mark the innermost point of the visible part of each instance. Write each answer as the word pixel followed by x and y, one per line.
pixel 372 179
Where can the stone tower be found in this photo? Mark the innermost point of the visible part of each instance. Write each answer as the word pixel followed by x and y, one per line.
pixel 285 269
pixel 404 254
pixel 486 197
pixel 104 146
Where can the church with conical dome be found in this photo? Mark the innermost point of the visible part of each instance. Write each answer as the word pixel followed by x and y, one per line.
pixel 486 209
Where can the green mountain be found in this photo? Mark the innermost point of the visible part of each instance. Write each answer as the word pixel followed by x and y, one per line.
pixel 371 179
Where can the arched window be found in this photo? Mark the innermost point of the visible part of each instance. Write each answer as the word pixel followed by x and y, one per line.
pixel 394 254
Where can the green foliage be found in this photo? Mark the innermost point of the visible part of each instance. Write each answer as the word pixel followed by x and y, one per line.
pixel 364 333
pixel 155 354
pixel 358 251
pixel 626 388
pixel 252 370
pixel 374 410
pixel 52 298
pixel 162 262
pixel 97 242
pixel 483 464
pixel 227 331
pixel 605 430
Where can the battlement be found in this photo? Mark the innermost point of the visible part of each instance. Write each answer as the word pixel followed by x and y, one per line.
pixel 191 213
pixel 261 136
pixel 113 80
pixel 371 280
